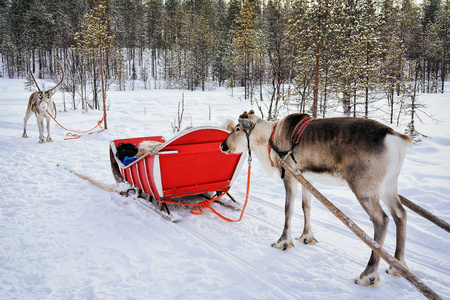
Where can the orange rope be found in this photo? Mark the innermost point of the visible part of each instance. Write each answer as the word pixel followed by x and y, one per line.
pixel 197 209
pixel 74 134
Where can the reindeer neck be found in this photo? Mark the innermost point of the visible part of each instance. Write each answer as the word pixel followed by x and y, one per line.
pixel 260 142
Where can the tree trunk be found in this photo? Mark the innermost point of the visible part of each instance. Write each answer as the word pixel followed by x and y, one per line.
pixel 95 94
pixel 103 87
pixel 316 75
pixel 346 101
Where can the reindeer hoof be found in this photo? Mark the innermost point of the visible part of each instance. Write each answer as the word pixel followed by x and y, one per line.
pixel 25 135
pixel 49 139
pixel 283 245
pixel 371 279
pixel 391 271
pixel 306 239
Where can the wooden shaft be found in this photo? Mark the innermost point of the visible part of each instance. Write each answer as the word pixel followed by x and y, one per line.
pixel 392 261
pixel 424 213
pixel 99 184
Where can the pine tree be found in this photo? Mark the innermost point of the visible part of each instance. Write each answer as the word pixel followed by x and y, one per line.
pixel 94 40
pixel 274 30
pixel 153 13
pixel 301 39
pixel 392 46
pixel 347 55
pixel 443 25
pixel 221 33
pixel 129 30
pixel 430 11
pixel 205 44
pixel 172 20
pixel 371 47
pixel 244 44
pixel 40 33
pixel 17 45
pixel 312 34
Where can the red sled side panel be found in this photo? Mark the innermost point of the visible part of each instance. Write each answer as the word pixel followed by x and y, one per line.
pixel 187 164
pixel 199 165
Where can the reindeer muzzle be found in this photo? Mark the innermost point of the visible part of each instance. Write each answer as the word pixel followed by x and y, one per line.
pixel 43 105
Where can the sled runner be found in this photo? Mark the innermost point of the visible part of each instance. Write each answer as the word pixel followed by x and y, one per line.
pixel 189 163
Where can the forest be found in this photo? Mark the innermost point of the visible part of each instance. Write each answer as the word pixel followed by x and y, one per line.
pixel 301 55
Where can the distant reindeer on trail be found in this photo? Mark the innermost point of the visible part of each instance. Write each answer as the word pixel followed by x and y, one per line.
pixel 41 104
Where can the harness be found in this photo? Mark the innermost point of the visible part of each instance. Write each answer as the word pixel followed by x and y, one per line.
pixel 247 133
pixel 295 138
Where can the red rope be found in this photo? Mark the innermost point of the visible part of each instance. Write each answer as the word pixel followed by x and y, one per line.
pixel 197 209
pixel 74 134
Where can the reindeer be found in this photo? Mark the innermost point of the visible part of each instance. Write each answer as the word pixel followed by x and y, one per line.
pixel 41 104
pixel 363 154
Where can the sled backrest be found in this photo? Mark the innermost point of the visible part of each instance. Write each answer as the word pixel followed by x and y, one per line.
pixel 194 159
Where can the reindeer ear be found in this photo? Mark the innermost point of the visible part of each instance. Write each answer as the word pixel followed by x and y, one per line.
pixel 245 123
pixel 251 112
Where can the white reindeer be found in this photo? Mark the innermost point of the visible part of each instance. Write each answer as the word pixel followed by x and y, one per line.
pixel 41 104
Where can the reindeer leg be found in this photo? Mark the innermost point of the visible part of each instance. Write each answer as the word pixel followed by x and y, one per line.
pixel 49 139
pixel 380 222
pixel 285 241
pixel 308 236
pixel 25 121
pixel 399 215
pixel 40 123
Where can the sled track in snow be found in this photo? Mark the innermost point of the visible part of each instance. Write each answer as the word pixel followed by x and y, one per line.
pixel 240 264
pixel 422 262
pixel 298 219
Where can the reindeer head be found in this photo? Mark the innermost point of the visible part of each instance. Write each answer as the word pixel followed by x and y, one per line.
pixel 237 141
pixel 43 99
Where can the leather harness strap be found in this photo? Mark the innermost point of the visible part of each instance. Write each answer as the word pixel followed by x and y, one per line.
pixel 298 130
pixel 295 138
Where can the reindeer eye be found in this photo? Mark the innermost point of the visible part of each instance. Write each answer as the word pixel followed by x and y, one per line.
pixel 238 129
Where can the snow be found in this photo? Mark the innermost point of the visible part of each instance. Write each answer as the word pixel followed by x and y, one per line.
pixel 62 237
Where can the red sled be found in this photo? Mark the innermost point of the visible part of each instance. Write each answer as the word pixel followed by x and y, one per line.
pixel 189 163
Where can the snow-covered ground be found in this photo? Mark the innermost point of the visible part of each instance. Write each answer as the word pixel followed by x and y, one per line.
pixel 61 237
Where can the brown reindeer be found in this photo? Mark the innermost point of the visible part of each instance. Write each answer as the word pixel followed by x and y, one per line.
pixel 363 154
pixel 41 104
